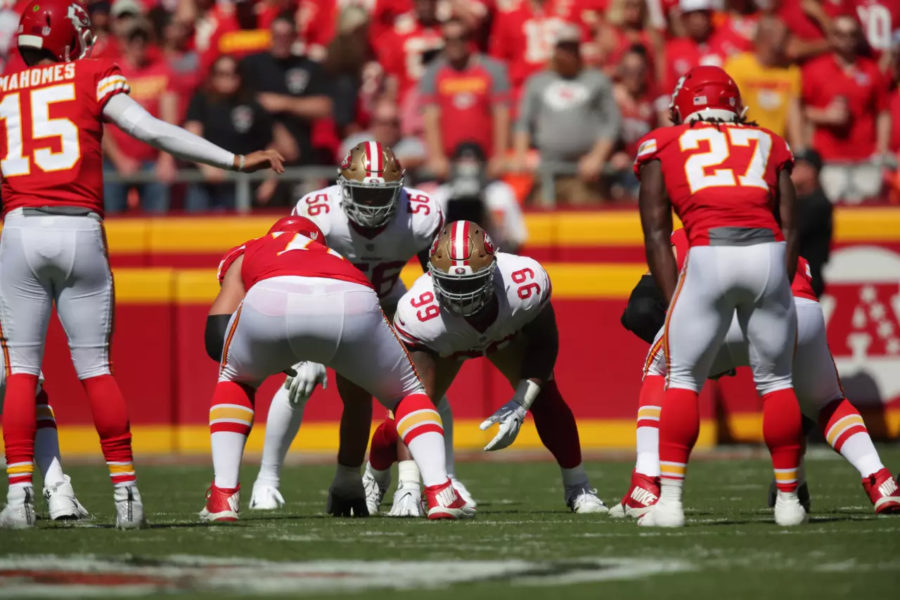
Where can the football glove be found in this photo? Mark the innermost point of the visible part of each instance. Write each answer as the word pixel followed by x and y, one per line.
pixel 301 384
pixel 510 417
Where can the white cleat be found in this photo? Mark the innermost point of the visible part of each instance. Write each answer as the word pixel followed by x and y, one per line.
pixel 463 492
pixel 617 511
pixel 407 501
pixel 19 510
pixel 265 496
pixel 376 486
pixel 129 508
pixel 584 500
pixel 665 513
pixel 788 510
pixel 62 503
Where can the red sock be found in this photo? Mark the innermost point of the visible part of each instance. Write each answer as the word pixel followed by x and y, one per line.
pixel 111 421
pixel 19 427
pixel 44 415
pixel 383 450
pixel 556 426
pixel 231 408
pixel 783 432
pixel 839 421
pixel 653 392
pixel 415 415
pixel 679 425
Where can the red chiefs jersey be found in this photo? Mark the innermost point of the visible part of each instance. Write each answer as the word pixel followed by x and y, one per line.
pixel 880 20
pixel 719 177
pixel 284 254
pixel 402 52
pixel 801 287
pixel 51 124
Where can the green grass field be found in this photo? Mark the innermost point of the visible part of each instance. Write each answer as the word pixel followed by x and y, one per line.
pixel 523 542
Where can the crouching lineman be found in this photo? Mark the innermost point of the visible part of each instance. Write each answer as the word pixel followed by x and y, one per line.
pixel 475 301
pixel 816 384
pixel 378 224
pixel 294 299
pixel 62 504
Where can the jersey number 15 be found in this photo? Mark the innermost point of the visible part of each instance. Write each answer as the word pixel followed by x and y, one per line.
pixel 42 127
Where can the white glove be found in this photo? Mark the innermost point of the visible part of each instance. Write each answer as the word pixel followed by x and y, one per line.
pixel 300 386
pixel 511 415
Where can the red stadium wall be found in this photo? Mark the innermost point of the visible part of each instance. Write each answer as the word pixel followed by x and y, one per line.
pixel 165 280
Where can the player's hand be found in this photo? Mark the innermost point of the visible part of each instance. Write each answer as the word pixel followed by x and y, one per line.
pixel 510 417
pixel 261 159
pixel 307 376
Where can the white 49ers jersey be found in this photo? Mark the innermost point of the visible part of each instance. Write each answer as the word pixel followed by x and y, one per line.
pixel 522 287
pixel 382 256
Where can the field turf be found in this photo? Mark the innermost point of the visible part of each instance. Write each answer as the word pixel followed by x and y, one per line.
pixel 524 543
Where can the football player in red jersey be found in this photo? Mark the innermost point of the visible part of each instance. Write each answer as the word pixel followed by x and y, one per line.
pixel 729 182
pixel 286 297
pixel 53 248
pixel 816 382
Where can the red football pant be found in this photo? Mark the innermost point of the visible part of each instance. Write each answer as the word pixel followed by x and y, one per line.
pixel 556 426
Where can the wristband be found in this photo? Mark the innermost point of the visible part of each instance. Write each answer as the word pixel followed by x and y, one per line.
pixel 526 393
pixel 241 163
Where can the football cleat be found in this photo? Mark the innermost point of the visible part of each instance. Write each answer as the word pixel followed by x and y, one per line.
pixel 665 513
pixel 19 510
pixel 62 503
pixel 222 505
pixel 407 501
pixel 375 485
pixel 265 497
pixel 584 500
pixel 445 503
pixel 883 492
pixel 129 507
pixel 347 498
pixel 802 494
pixel 788 510
pixel 463 492
pixel 643 493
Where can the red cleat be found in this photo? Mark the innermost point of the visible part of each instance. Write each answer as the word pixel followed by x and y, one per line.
pixel 883 491
pixel 222 505
pixel 643 493
pixel 445 503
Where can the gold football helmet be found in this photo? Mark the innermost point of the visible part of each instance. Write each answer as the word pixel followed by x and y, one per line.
pixel 462 265
pixel 371 179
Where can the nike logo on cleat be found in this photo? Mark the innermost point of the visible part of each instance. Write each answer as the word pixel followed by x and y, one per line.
pixel 888 487
pixel 642 496
pixel 446 497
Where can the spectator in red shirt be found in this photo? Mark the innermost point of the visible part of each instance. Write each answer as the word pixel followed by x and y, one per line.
pixel 635 97
pixel 703 44
pixel 466 99
pixel 151 86
pixel 627 24
pixel 846 99
pixel 880 21
pixel 809 22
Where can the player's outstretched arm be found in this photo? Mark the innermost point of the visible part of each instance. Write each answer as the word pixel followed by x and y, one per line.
pixel 656 222
pixel 134 120
pixel 787 200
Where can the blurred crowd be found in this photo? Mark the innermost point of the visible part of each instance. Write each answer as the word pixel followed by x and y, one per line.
pixel 495 93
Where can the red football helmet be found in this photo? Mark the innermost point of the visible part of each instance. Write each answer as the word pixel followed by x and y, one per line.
pixel 300 225
pixel 706 92
pixel 61 27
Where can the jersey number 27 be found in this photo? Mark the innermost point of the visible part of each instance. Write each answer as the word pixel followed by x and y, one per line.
pixel 701 170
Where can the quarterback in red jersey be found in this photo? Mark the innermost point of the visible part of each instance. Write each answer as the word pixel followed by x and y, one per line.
pixel 53 248
pixel 816 382
pixel 729 182
pixel 287 297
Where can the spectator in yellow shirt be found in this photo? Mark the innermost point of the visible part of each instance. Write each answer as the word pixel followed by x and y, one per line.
pixel 770 85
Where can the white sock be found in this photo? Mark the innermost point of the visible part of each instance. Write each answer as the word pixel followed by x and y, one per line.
pixel 647 451
pixel 446 413
pixel 227 451
pixel 860 452
pixel 46 456
pixel 575 477
pixel 408 473
pixel 428 451
pixel 670 490
pixel 282 425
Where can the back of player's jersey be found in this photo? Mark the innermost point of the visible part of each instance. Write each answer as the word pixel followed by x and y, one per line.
pixel 722 179
pixel 290 254
pixel 50 132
